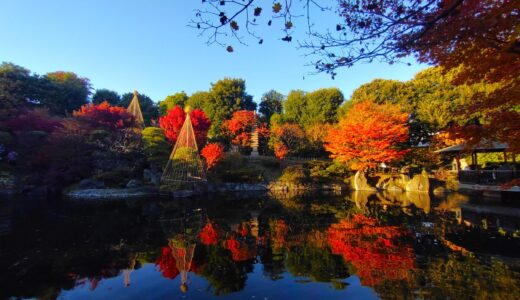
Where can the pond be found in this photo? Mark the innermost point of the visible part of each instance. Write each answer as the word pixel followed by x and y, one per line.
pixel 239 246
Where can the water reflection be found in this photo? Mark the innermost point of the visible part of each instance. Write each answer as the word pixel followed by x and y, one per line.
pixel 363 245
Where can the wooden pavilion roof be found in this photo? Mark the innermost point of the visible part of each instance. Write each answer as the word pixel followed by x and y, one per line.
pixel 482 147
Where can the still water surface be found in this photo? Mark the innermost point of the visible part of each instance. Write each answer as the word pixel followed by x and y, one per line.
pixel 355 246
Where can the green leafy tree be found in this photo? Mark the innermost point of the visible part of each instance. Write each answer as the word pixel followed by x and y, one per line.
pixel 107 95
pixel 197 99
pixel 148 107
pixel 381 91
pixel 227 96
pixel 17 86
pixel 322 106
pixel 481 36
pixel 294 106
pixel 171 101
pixel 222 272
pixel 437 101
pixel 271 103
pixel 317 263
pixel 64 92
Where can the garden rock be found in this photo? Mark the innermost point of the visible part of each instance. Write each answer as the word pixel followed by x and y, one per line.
pixel 419 183
pixel 360 182
pixel 151 176
pixel 134 183
pixel 91 184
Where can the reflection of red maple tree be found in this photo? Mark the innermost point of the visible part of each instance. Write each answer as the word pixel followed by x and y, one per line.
pixel 243 230
pixel 240 250
pixel 166 263
pixel 377 252
pixel 208 235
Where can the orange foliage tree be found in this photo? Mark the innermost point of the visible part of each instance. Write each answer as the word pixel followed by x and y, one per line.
pixel 287 139
pixel 378 253
pixel 212 153
pixel 369 133
pixel 240 127
pixel 172 124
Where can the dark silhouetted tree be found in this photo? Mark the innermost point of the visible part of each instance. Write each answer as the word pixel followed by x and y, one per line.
pixel 148 107
pixel 64 92
pixel 107 95
pixel 271 103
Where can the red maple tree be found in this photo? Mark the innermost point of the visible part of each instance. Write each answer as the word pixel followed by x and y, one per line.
pixel 105 115
pixel 240 127
pixel 212 153
pixel 172 124
pixel 368 134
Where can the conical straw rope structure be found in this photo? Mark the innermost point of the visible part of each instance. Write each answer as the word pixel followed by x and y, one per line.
pixel 184 166
pixel 135 109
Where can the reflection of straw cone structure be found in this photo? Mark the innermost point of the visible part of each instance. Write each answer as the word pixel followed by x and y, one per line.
pixel 135 109
pixel 185 165
pixel 127 272
pixel 184 232
pixel 183 253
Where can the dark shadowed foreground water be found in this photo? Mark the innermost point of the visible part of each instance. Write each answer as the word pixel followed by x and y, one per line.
pixel 357 246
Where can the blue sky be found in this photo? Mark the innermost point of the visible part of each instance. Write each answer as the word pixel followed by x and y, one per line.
pixel 146 45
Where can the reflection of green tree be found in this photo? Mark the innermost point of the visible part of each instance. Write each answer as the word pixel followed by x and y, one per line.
pixel 222 273
pixel 273 263
pixel 466 277
pixel 319 264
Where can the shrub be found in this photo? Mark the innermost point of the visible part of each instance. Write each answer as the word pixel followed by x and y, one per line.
pixel 118 178
pixel 156 147
pixel 243 175
pixel 32 120
pixel 212 153
pixel 106 116
pixel 5 138
pixel 231 160
pixel 295 174
pixel 32 139
pixel 269 162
